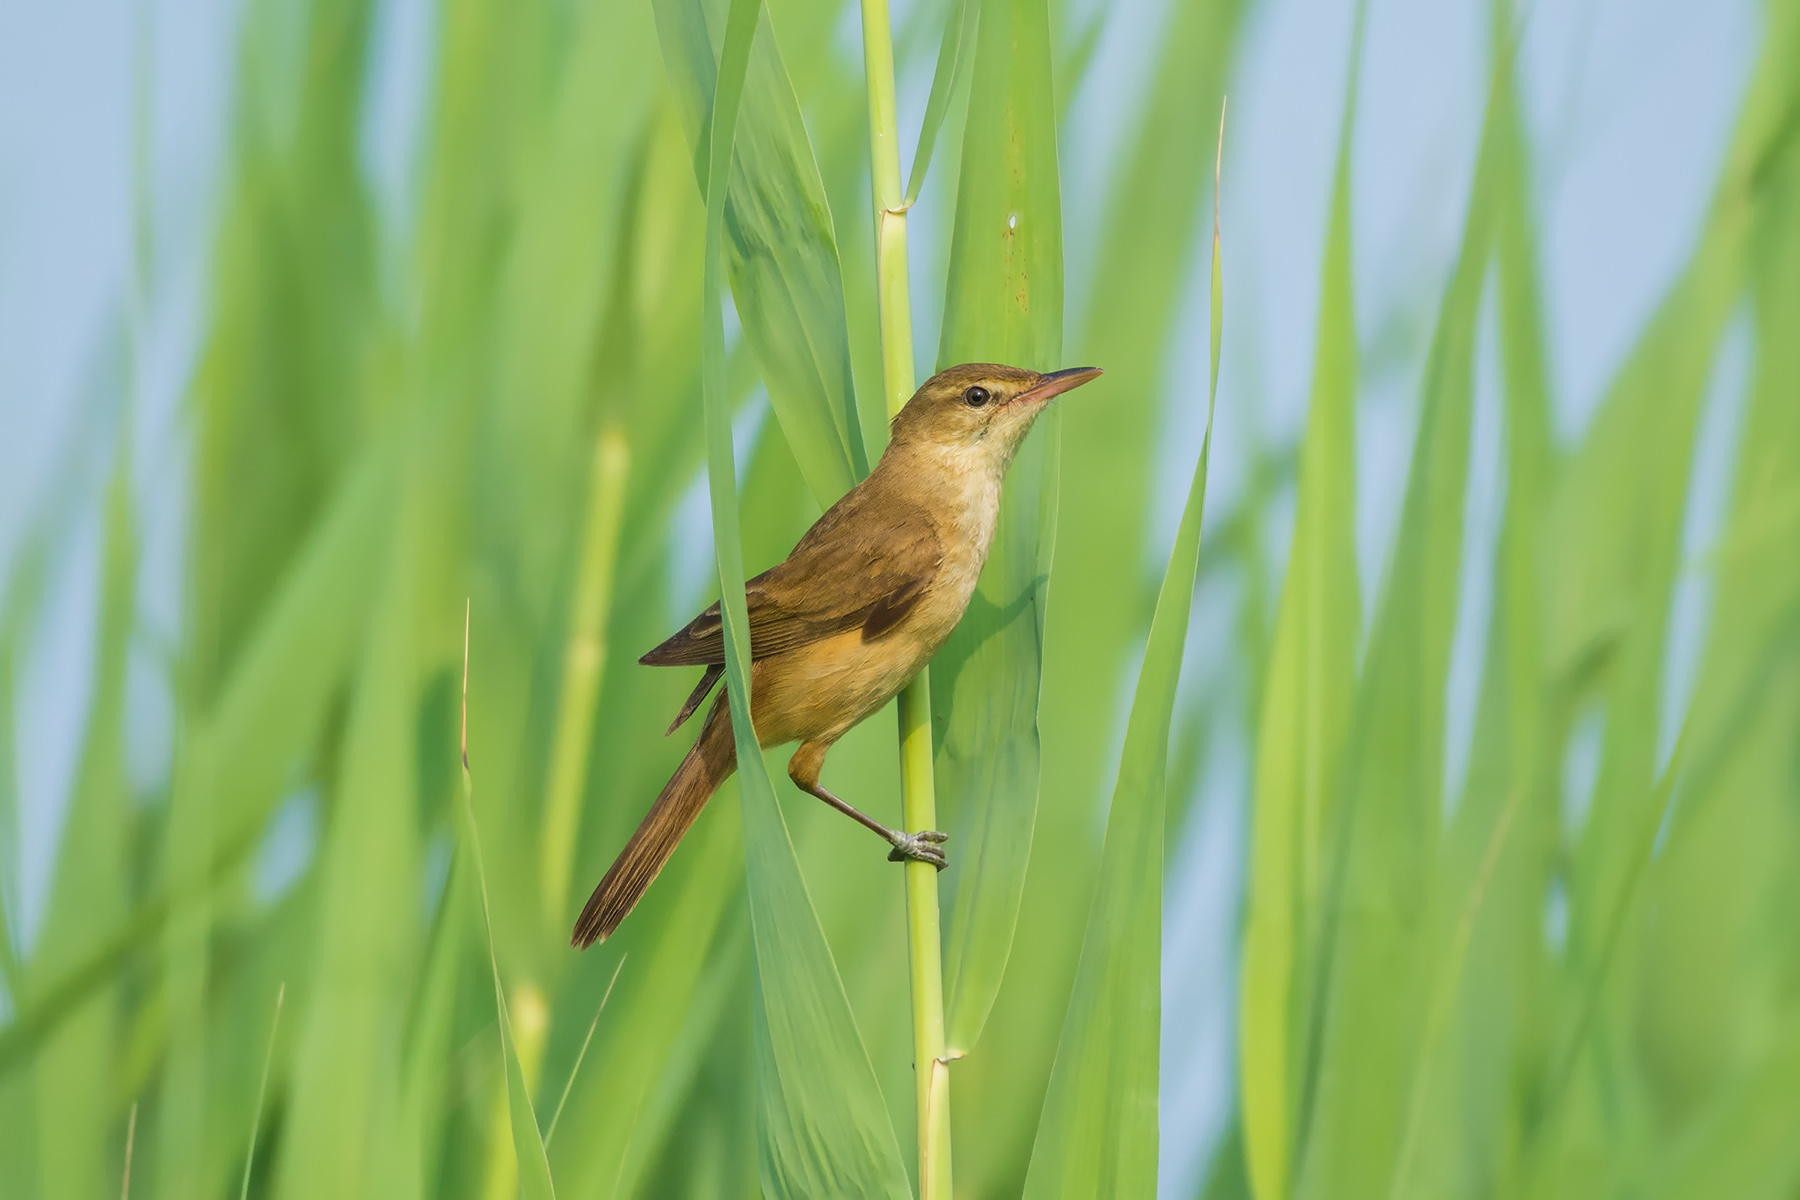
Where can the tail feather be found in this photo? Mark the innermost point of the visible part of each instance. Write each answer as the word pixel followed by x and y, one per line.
pixel 707 765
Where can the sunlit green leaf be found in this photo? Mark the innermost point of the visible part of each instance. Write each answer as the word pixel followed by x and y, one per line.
pixel 1002 303
pixel 1307 691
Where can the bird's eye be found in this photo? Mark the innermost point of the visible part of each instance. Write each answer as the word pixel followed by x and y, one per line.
pixel 976 396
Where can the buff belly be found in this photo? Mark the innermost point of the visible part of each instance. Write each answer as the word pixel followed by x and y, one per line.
pixel 817 692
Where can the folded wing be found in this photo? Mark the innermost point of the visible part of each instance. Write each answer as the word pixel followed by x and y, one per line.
pixel 864 565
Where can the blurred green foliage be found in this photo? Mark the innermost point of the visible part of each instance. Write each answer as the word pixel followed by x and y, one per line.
pixel 1479 987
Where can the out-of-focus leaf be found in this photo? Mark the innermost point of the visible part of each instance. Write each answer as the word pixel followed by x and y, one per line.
pixel 1742 1145
pixel 1228 1178
pixel 22 588
pixel 528 1138
pixel 584 665
pixel 342 1118
pixel 1707 1014
pixel 1098 1133
pixel 1376 948
pixel 76 1110
pixel 419 1122
pixel 1615 562
pixel 1307 694
pixel 639 1043
pixel 562 308
pixel 1489 985
pixel 782 248
pixel 277 422
pixel 1640 451
pixel 1002 303
pixel 1683 912
pixel 823 1125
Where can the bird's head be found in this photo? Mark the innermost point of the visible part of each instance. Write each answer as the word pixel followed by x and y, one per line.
pixel 983 410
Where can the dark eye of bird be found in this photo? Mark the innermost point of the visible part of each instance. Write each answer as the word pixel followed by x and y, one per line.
pixel 976 396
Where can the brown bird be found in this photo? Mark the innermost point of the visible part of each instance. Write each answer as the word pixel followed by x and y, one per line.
pixel 859 607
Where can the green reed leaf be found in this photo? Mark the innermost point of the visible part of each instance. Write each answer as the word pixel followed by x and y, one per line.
pixel 824 1128
pixel 1002 303
pixel 780 242
pixel 1098 1133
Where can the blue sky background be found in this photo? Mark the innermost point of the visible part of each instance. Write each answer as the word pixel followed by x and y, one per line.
pixel 1629 103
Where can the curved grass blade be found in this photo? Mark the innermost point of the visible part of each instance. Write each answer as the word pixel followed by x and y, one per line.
pixel 130 1145
pixel 528 1143
pixel 1098 1133
pixel 1308 688
pixel 780 244
pixel 956 61
pixel 262 1091
pixel 581 1055
pixel 823 1125
pixel 1003 303
pixel 645 1044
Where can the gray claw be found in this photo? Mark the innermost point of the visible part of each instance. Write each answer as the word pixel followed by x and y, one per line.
pixel 919 847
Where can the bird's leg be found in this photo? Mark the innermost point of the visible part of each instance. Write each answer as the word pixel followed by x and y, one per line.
pixel 925 846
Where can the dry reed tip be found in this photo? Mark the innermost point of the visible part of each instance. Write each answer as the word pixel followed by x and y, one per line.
pixel 1218 162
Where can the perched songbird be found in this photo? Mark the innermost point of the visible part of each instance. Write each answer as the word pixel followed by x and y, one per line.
pixel 859 607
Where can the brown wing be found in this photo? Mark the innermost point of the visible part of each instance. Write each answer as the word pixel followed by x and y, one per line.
pixel 863 565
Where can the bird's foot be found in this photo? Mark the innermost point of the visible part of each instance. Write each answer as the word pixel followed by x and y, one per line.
pixel 926 846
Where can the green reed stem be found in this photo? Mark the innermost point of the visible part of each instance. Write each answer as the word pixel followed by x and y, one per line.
pixel 918 793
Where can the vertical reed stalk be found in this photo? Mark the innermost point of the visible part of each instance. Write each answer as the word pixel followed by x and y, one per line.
pixel 918 794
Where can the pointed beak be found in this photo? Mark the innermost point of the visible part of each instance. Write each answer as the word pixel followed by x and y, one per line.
pixel 1058 382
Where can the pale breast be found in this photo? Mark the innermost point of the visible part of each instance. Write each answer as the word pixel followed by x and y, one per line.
pixel 966 533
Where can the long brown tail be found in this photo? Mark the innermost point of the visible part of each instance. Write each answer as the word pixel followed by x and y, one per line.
pixel 707 765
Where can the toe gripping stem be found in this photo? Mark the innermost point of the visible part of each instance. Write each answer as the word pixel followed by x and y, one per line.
pixel 925 846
